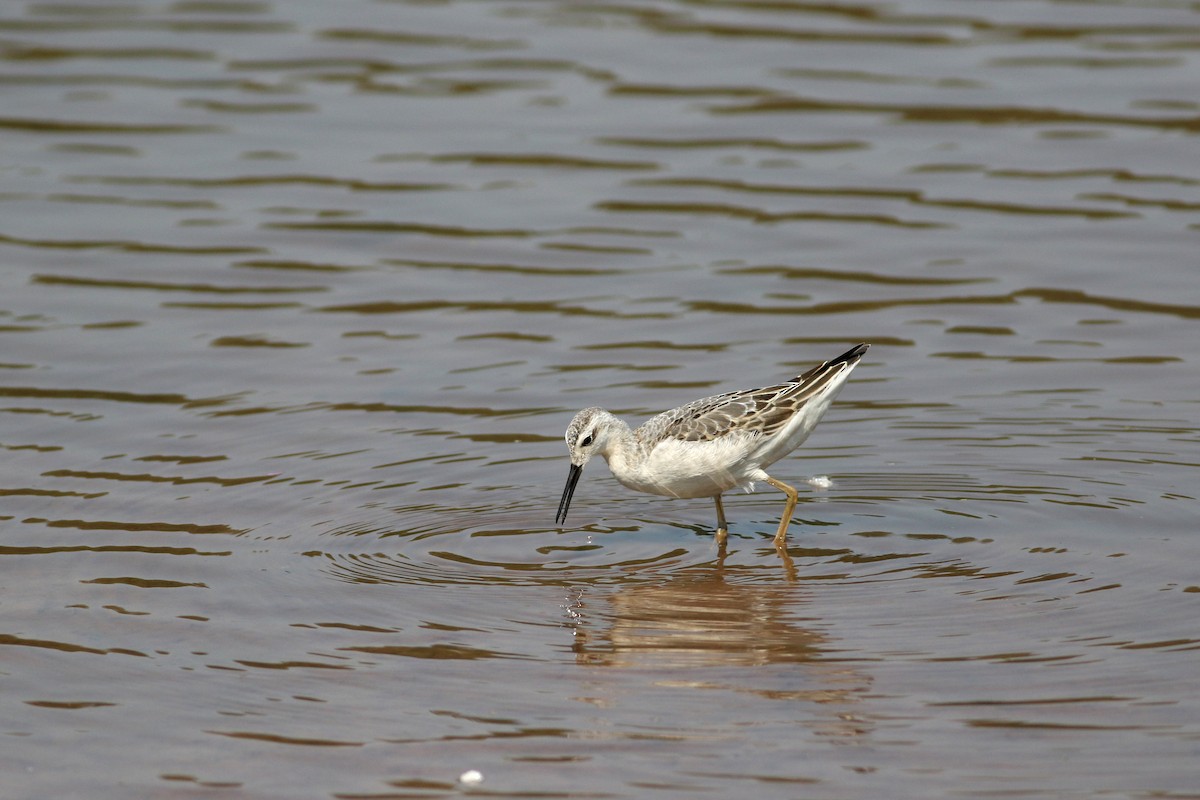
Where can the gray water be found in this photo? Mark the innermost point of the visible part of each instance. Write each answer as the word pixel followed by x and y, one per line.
pixel 297 299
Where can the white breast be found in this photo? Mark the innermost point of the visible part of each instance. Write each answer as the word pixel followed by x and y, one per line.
pixel 689 469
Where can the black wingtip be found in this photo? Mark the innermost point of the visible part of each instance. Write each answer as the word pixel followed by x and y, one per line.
pixel 850 356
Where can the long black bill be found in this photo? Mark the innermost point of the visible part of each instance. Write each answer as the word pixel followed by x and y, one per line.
pixel 568 490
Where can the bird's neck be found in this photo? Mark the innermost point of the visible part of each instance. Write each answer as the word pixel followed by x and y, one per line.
pixel 620 445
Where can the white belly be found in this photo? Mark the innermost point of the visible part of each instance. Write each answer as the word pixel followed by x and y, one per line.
pixel 689 469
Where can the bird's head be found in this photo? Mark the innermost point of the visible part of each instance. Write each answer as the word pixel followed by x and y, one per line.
pixel 586 435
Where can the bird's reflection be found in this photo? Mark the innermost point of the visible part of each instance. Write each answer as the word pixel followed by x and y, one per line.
pixel 696 619
pixel 689 631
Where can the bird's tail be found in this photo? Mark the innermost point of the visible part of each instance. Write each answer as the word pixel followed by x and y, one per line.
pixel 849 358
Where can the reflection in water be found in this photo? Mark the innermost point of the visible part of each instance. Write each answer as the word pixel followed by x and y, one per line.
pixel 699 630
pixel 698 619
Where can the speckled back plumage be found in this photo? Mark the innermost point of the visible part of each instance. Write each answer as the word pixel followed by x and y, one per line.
pixel 758 412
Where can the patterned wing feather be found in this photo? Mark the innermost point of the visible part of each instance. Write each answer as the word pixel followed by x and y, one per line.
pixel 757 412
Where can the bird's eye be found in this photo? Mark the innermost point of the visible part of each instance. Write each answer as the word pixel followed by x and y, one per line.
pixel 587 441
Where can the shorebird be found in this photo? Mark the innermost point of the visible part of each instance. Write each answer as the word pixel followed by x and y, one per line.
pixel 712 445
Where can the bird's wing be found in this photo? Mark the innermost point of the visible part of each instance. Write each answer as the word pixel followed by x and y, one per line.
pixel 756 412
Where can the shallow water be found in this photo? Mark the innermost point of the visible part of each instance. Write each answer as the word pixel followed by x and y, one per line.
pixel 297 299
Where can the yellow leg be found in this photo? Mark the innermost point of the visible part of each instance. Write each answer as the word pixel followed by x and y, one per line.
pixel 792 497
pixel 722 527
pixel 789 568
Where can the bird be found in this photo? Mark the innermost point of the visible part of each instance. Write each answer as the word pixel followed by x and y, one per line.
pixel 711 445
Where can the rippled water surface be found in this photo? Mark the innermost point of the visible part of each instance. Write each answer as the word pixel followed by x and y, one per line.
pixel 297 298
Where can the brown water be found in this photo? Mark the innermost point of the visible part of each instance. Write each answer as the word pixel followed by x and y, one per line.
pixel 297 298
